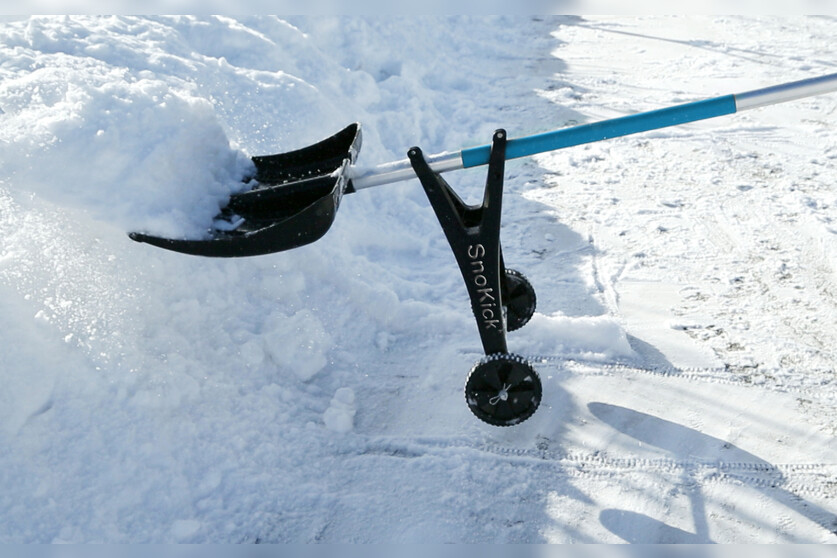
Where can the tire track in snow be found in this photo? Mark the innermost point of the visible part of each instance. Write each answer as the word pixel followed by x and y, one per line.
pixel 808 384
pixel 811 384
pixel 817 480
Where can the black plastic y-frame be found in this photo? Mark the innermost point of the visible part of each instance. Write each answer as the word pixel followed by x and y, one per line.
pixel 473 232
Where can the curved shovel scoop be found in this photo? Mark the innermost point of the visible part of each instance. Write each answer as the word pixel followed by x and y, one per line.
pixel 293 202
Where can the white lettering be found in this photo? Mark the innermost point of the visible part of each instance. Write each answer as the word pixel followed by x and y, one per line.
pixel 487 301
pixel 475 252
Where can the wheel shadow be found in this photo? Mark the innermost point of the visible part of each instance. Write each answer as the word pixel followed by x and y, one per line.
pixel 683 444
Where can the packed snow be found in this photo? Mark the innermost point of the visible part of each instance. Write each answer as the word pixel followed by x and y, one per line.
pixel 686 282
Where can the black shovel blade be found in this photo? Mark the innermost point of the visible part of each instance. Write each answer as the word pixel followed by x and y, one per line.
pixel 293 202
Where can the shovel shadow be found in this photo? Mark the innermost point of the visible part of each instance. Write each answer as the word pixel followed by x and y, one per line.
pixel 637 528
pixel 695 449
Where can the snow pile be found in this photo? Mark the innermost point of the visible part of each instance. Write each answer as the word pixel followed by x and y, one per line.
pixel 316 395
pixel 131 147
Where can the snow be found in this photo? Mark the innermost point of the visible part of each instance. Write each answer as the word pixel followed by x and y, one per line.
pixel 341 412
pixel 685 278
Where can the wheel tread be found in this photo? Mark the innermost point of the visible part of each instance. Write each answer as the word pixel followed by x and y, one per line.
pixel 521 383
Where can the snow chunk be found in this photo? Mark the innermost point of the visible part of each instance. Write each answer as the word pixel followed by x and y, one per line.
pixel 588 336
pixel 184 529
pixel 339 417
pixel 297 343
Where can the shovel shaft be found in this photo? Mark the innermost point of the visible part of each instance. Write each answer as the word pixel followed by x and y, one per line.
pixel 655 119
pixel 597 131
pixel 786 92
pixel 607 129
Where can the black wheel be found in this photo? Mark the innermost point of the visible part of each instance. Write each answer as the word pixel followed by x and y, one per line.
pixel 520 300
pixel 503 390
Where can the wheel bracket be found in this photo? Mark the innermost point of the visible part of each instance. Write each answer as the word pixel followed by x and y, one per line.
pixel 473 232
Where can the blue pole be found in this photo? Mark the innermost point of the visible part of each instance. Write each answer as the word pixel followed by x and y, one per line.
pixel 597 131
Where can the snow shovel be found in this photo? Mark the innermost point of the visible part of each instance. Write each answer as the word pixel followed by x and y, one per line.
pixel 295 196
pixel 293 202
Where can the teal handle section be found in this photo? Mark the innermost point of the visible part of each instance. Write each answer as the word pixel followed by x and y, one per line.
pixel 597 131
